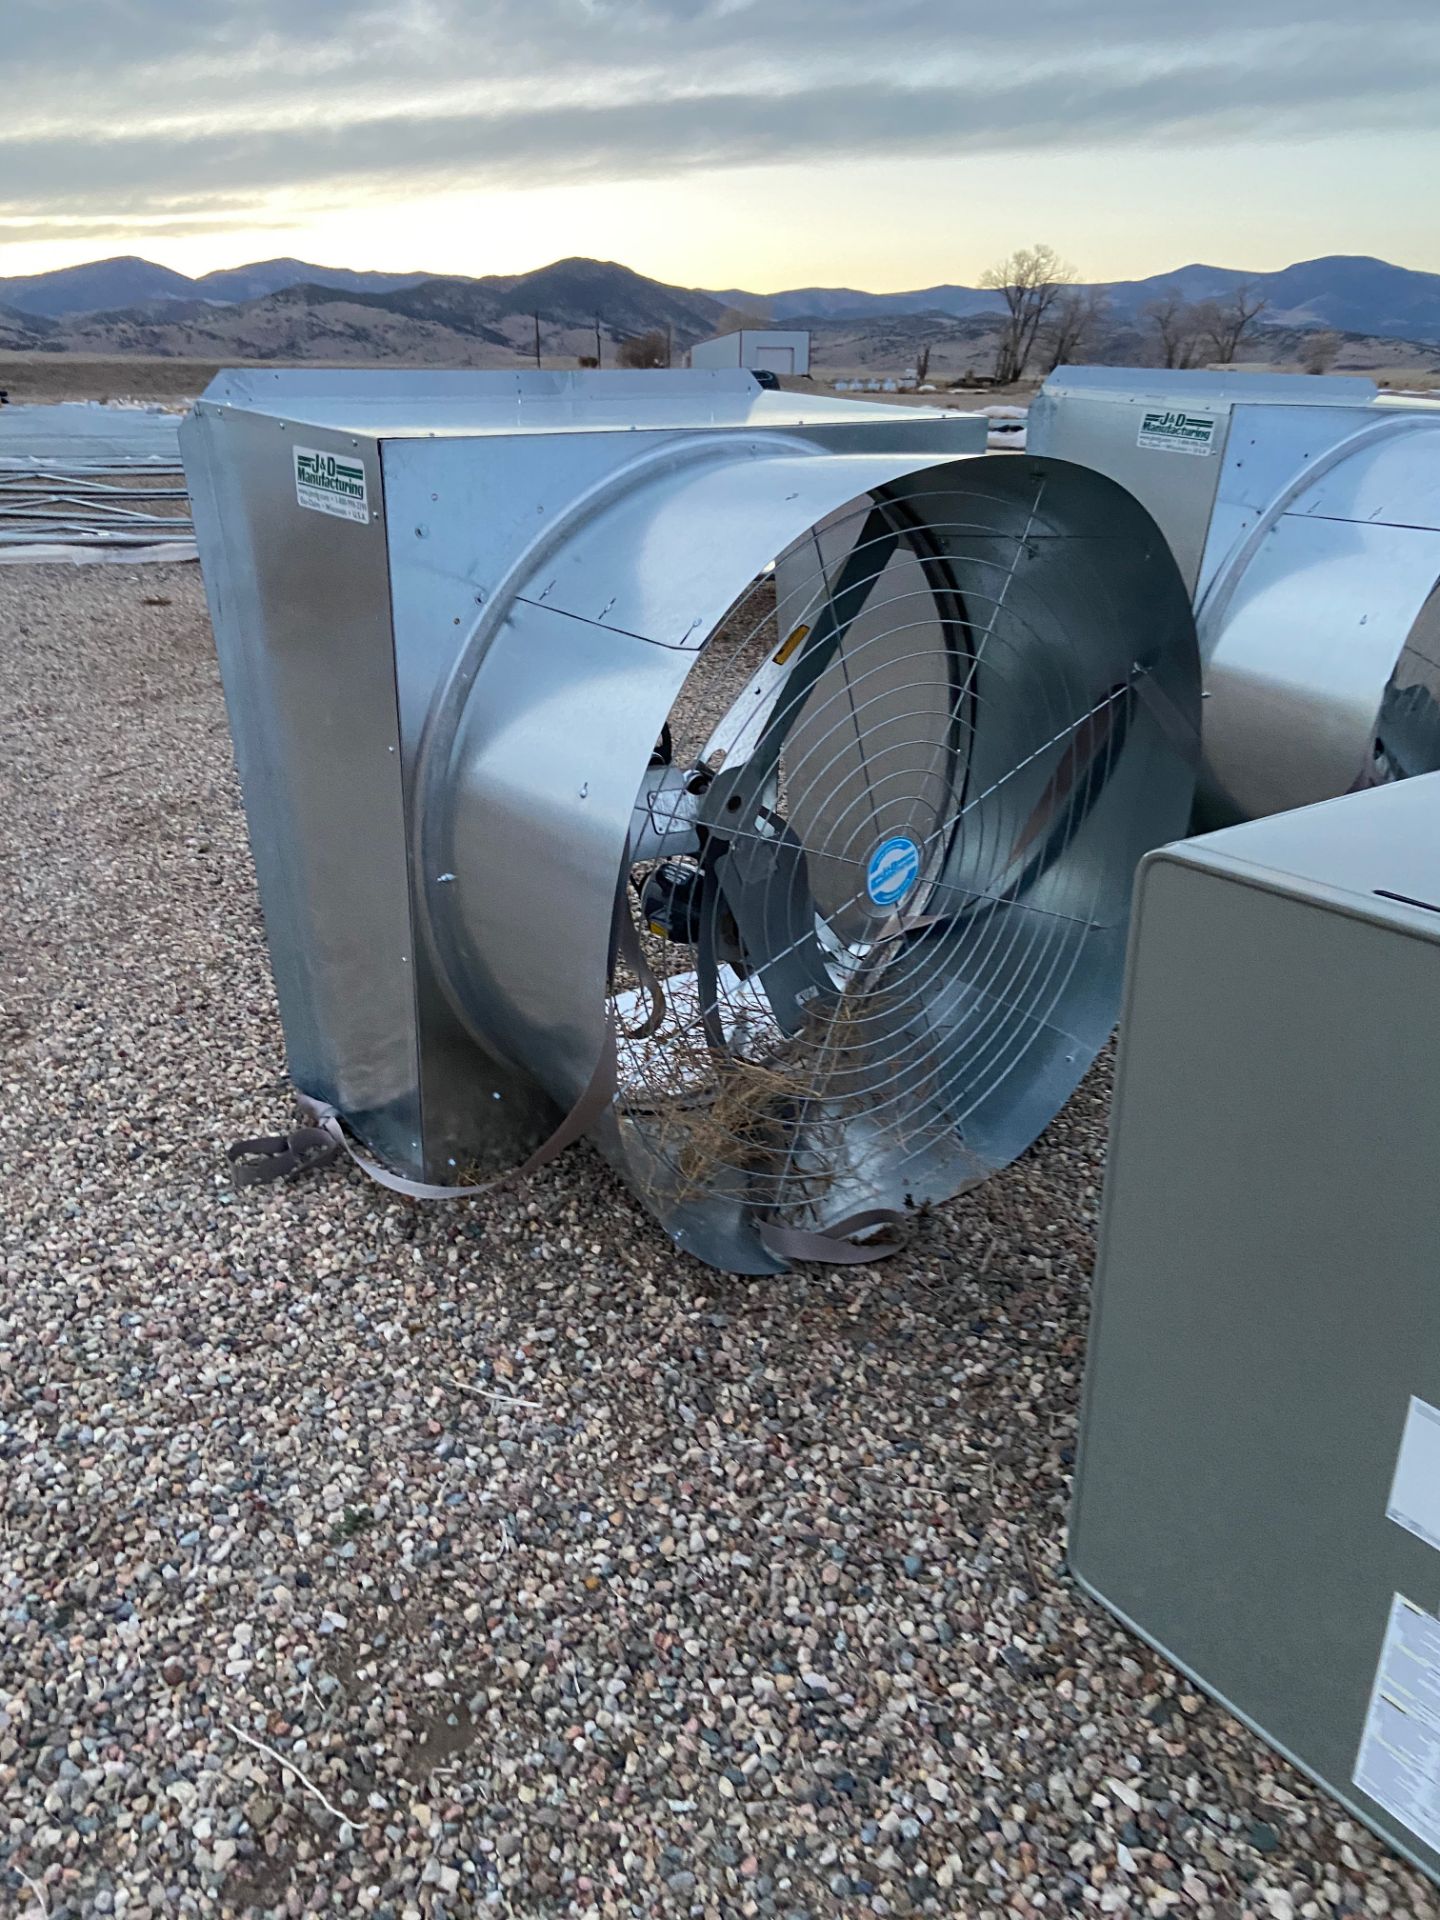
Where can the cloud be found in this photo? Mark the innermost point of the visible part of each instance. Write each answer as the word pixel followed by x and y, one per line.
pixel 26 232
pixel 241 101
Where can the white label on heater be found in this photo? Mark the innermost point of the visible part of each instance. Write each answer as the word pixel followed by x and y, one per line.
pixel 1399 1759
pixel 329 483
pixel 1173 430
pixel 1415 1490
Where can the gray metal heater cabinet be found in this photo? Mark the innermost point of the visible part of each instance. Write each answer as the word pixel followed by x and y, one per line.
pixel 1259 1479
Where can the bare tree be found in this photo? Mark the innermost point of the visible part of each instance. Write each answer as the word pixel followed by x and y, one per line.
pixel 1029 281
pixel 922 366
pixel 1075 320
pixel 1318 351
pixel 1225 325
pixel 1178 325
pixel 650 349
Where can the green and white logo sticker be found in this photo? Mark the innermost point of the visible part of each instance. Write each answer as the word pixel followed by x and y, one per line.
pixel 329 483
pixel 1172 430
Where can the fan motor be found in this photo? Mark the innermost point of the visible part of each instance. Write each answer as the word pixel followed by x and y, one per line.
pixel 670 902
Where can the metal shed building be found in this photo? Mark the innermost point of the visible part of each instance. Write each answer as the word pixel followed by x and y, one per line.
pixel 765 349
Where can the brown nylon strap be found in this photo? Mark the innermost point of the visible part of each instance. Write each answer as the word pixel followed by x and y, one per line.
pixel 837 1246
pixel 627 941
pixel 597 1095
pixel 276 1156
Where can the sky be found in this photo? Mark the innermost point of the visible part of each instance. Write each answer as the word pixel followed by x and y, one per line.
pixel 756 144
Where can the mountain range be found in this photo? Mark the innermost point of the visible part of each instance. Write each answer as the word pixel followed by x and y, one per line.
pixel 568 309
pixel 1351 293
pixel 282 310
pixel 1348 292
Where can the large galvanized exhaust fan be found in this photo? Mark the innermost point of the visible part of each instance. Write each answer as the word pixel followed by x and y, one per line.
pixel 758 780
pixel 1304 514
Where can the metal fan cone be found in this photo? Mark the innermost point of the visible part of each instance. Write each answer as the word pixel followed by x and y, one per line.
pixel 901 814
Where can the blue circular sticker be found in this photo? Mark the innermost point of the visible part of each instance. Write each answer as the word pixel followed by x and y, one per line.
pixel 893 870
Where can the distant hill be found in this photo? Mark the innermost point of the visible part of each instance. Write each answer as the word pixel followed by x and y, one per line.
pixel 108 285
pixel 273 276
pixel 1350 292
pixel 431 322
pixel 1386 314
pixel 851 303
pixel 575 292
pixel 22 332
pixel 124 282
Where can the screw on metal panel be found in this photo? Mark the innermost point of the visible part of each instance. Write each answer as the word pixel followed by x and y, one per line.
pixel 422 533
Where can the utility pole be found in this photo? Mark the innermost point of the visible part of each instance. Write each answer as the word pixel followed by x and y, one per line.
pixel 537 339
pixel 669 345
pixel 599 358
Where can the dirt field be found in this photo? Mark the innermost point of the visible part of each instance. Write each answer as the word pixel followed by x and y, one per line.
pixel 36 377
pixel 32 377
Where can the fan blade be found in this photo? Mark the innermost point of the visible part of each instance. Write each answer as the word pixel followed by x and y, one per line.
pixel 866 561
pixel 764 877
pixel 1081 774
pixel 746 731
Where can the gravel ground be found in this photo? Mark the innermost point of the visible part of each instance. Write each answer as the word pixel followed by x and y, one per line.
pixel 364 1558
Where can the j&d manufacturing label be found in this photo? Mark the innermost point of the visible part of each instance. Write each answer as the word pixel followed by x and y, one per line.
pixel 329 483
pixel 1173 430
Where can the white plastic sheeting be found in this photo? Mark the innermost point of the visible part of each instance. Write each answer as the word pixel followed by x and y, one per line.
pixel 83 481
